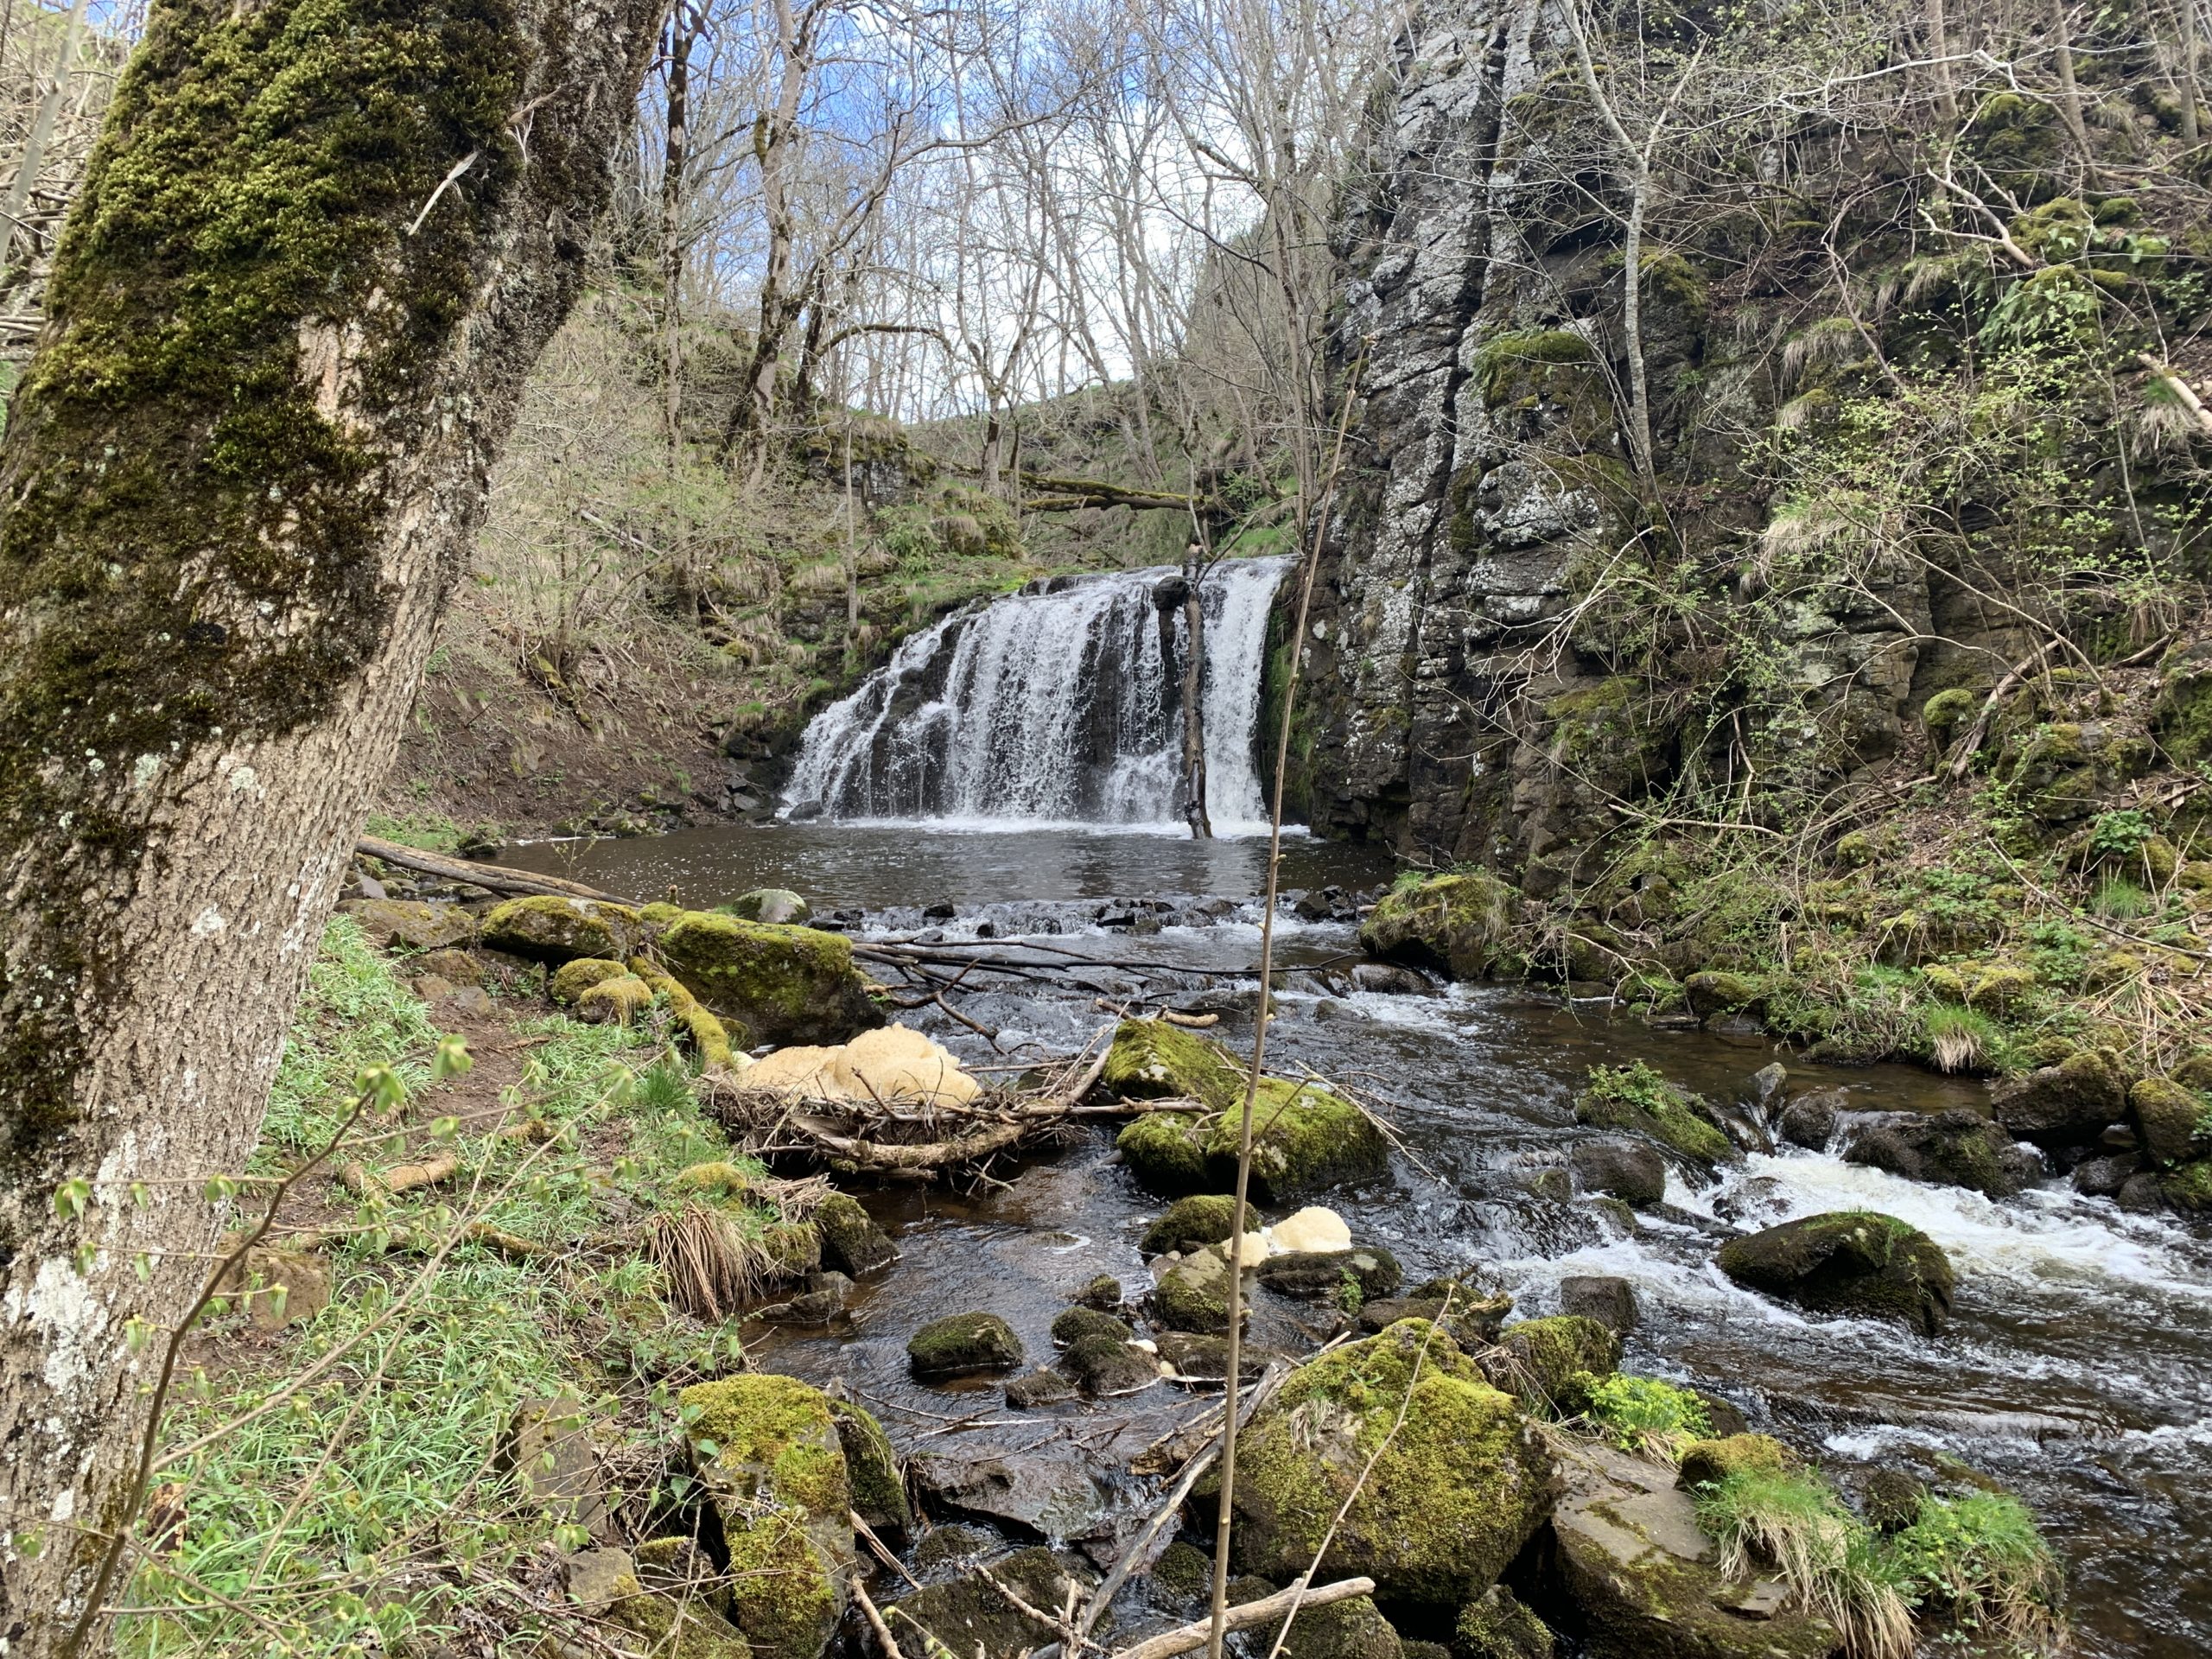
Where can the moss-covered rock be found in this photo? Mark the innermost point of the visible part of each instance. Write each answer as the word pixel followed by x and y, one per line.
pixel 778 906
pixel 1496 1625
pixel 1634 1097
pixel 1853 1261
pixel 621 1001
pixel 2188 1188
pixel 1074 1324
pixel 2166 1115
pixel 785 984
pixel 1102 1291
pixel 963 1342
pixel 2066 1105
pixel 1346 1277
pixel 719 1047
pixel 1190 1223
pixel 851 1241
pixel 1706 1463
pixel 1461 1487
pixel 872 1469
pixel 1182 1576
pixel 1548 1362
pixel 1105 1364
pixel 1352 1629
pixel 1957 1147
pixel 572 979
pixel 1166 1153
pixel 560 930
pixel 1193 1294
pixel 411 925
pixel 1461 924
pixel 674 1626
pixel 1716 991
pixel 971 1618
pixel 2181 717
pixel 767 1451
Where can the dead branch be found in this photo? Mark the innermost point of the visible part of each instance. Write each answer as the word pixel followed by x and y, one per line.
pixel 360 1180
pixel 1190 1638
pixel 495 877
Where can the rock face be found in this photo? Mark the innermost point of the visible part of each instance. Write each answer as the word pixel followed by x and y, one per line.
pixel 1851 1262
pixel 1645 1579
pixel 1461 1488
pixel 784 984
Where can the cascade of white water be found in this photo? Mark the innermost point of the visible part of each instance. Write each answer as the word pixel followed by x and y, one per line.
pixel 1052 706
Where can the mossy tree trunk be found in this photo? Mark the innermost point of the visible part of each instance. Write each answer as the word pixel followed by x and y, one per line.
pixel 317 249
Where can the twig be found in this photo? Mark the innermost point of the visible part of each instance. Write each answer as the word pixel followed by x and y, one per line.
pixel 875 1621
pixel 1192 1637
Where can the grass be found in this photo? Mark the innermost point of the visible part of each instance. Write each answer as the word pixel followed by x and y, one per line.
pixel 1961 1040
pixel 2118 899
pixel 429 832
pixel 356 1012
pixel 1980 1557
pixel 1641 1414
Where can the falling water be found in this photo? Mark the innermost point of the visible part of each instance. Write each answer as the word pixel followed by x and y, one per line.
pixel 1053 705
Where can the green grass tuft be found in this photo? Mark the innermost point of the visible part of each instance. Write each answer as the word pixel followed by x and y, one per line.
pixel 356 1012
pixel 1792 1524
pixel 1983 1560
pixel 1643 1414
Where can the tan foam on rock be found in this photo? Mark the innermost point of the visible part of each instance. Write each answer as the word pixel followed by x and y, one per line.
pixel 801 1070
pixel 890 1062
pixel 1315 1228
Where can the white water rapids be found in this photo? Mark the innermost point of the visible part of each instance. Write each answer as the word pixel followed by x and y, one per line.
pixel 1056 706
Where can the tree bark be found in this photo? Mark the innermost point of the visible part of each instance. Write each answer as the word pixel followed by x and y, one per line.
pixel 1194 720
pixel 317 251
pixel 683 31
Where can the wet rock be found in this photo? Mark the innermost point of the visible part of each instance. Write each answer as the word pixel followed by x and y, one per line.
pixel 780 906
pixel 412 925
pixel 1957 1147
pixel 1628 1170
pixel 767 1451
pixel 553 930
pixel 964 1343
pixel 879 1486
pixel 1333 1275
pixel 1189 1225
pixel 1495 1625
pixel 1891 1499
pixel 1468 1317
pixel 1053 1497
pixel 546 1449
pixel 2142 1195
pixel 1182 1577
pixel 785 985
pixel 1605 1299
pixel 1109 1365
pixel 1764 1089
pixel 1102 1292
pixel 851 1241
pixel 973 1619
pixel 2063 1106
pixel 1853 1261
pixel 1456 923
pixel 1192 1294
pixel 1352 1628
pixel 1077 1323
pixel 1636 1099
pixel 1205 1359
pixel 1809 1119
pixel 2166 1116
pixel 1450 1499
pixel 1540 1360
pixel 2102 1178
pixel 1390 979
pixel 1037 1389
pixel 1714 992
pixel 1644 1578
pixel 1706 1463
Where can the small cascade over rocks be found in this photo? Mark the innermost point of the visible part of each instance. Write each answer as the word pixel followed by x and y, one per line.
pixel 1061 703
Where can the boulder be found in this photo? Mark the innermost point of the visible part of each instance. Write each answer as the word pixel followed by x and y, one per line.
pixel 1602 1298
pixel 1109 1365
pixel 780 906
pixel 2102 1178
pixel 1333 1275
pixel 1957 1147
pixel 1040 1388
pixel 1628 1170
pixel 1389 979
pixel 1764 1089
pixel 1102 1291
pixel 1850 1262
pixel 1192 1295
pixel 1808 1119
pixel 872 1469
pixel 678 1569
pixel 553 930
pixel 546 1450
pixel 1715 992
pixel 964 1343
pixel 768 1453
pixel 572 979
pixel 1496 1625
pixel 1076 1323
pixel 411 925
pixel 1540 1360
pixel 1646 1579
pixel 1305 1135
pixel 1352 1628
pixel 1462 1484
pixel 784 984
pixel 1190 1224
pixel 851 1241
pixel 972 1618
pixel 1636 1099
pixel 2063 1106
pixel 1707 1463
pixel 1459 925
pixel 1469 1319
pixel 1205 1359
pixel 455 966
pixel 2166 1116
pixel 622 1001
pixel 1054 1497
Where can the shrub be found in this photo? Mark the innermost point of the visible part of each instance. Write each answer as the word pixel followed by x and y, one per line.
pixel 1961 1040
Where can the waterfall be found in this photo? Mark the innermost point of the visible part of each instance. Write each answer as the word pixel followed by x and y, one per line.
pixel 1052 705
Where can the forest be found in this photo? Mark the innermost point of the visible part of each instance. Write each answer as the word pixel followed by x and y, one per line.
pixel 1103 829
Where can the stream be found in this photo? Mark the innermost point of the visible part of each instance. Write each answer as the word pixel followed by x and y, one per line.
pixel 2078 1370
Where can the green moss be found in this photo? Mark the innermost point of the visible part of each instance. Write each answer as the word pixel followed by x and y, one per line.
pixel 1304 1137
pixel 1636 1098
pixel 1460 924
pixel 872 1469
pixel 572 979
pixel 1643 1413
pixel 1153 1059
pixel 1495 1625
pixel 711 1039
pixel 621 1001
pixel 1206 1219
pixel 1167 1152
pixel 783 1596
pixel 1555 1362
pixel 963 1342
pixel 1072 1325
pixel 1506 362
pixel 1193 1295
pixel 2189 1187
pixel 785 984
pixel 548 929
pixel 1706 1463
pixel 769 1434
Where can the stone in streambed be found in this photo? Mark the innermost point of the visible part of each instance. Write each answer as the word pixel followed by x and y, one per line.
pixel 1205 1359
pixel 1037 1389
pixel 1541 1361
pixel 962 1343
pixel 780 906
pixel 1076 1323
pixel 1193 1293
pixel 1496 1625
pixel 1352 1629
pixel 1190 1224
pixel 1461 1485
pixel 2166 1115
pixel 2067 1105
pixel 1457 924
pixel 784 984
pixel 851 1241
pixel 971 1618
pixel 1628 1170
pixel 1957 1147
pixel 1102 1292
pixel 1851 1262
pixel 1606 1299
pixel 1054 1497
pixel 1107 1365
pixel 878 1487
pixel 1325 1275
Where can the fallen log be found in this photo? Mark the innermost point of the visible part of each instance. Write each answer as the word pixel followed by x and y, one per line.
pixel 360 1180
pixel 1194 1635
pixel 495 877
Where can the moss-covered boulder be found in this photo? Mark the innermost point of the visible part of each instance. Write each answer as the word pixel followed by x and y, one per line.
pixel 2068 771
pixel 1462 1484
pixel 964 1343
pixel 1202 1219
pixel 1349 1278
pixel 1166 1153
pixel 2182 718
pixel 1109 1365
pixel 851 1241
pixel 1151 1060
pixel 767 1451
pixel 1636 1098
pixel 1459 923
pixel 1102 1291
pixel 572 979
pixel 1305 1137
pixel 2066 1105
pixel 1497 1625
pixel 560 930
pixel 411 925
pixel 973 1618
pixel 1072 1325
pixel 872 1469
pixel 622 1001
pixel 785 984
pixel 2166 1115
pixel 1957 1147
pixel 1716 991
pixel 1707 1463
pixel 1549 1362
pixel 1193 1294
pixel 1352 1629
pixel 2188 1188
pixel 1851 1262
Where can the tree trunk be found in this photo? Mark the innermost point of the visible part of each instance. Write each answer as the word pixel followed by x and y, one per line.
pixel 314 255
pixel 34 143
pixel 684 34
pixel 2191 93
pixel 1939 49
pixel 2070 90
pixel 1194 721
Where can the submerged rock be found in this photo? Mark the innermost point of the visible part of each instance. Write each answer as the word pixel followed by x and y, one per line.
pixel 1462 1484
pixel 560 930
pixel 851 1241
pixel 784 984
pixel 1853 1261
pixel 1054 1497
pixel 962 1343
pixel 1042 1388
